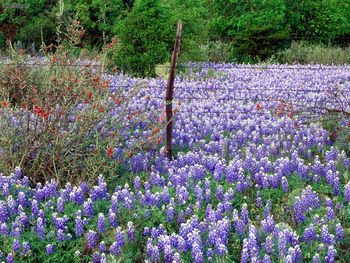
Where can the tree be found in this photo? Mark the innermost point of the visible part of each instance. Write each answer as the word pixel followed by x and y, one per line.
pixel 318 19
pixel 146 38
pixel 256 28
pixel 194 16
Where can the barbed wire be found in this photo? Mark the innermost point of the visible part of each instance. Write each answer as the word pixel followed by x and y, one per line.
pixel 290 37
pixel 261 67
pixel 202 66
pixel 51 65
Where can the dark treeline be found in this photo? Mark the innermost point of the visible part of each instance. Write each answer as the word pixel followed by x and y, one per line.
pixel 243 29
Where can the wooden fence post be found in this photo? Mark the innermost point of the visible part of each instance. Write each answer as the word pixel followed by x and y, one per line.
pixel 170 91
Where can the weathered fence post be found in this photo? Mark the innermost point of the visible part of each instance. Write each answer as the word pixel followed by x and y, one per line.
pixel 170 91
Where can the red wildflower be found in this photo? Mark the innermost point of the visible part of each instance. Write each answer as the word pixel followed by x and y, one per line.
pixel 258 106
pixel 41 112
pixel 110 152
pixel 5 104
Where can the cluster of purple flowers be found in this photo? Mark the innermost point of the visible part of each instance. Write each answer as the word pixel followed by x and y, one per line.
pixel 256 186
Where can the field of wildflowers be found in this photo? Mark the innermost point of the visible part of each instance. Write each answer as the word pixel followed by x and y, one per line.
pixel 258 175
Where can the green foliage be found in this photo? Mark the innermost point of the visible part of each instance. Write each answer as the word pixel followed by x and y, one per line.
pixel 146 38
pixel 98 17
pixel 194 18
pixel 255 28
pixel 24 19
pixel 259 28
pixel 32 30
pixel 216 30
pixel 317 19
pixel 304 53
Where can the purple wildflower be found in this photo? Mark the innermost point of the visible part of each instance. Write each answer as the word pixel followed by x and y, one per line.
pixel 91 238
pixel 50 249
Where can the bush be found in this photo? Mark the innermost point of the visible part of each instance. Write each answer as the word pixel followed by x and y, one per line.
pixel 146 38
pixel 306 53
pixel 60 120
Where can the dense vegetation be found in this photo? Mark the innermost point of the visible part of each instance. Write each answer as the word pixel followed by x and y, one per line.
pixel 261 164
pixel 245 31
pixel 253 180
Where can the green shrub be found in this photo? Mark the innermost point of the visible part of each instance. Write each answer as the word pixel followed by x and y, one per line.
pixel 146 38
pixel 306 53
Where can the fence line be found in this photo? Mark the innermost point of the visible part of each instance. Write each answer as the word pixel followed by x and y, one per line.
pixel 51 65
pixel 243 89
pixel 228 66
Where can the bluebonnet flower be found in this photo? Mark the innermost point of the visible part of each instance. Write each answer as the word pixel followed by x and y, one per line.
pixel 114 205
pixel 284 183
pixel 35 208
pixel 267 259
pixel 23 218
pixel 130 231
pixel 339 231
pixel 40 228
pixel 116 247
pixel 152 251
pixel 4 229
pixel 180 217
pixel 336 185
pixel 245 213
pixel 331 254
pixel 329 203
pixel 50 249
pixel 21 199
pixel 244 254
pixel 310 233
pixel 137 184
pixel 220 193
pixel 269 245
pixel 268 224
pixel 346 194
pixel 78 195
pixel 282 244
pixel 16 245
pixel 112 217
pixel 18 172
pixel 298 210
pixel 102 247
pixel 60 235
pixel 170 213
pixel 3 212
pixel 10 258
pixel 268 208
pixel 91 238
pixel 326 237
pixel 221 249
pixel 103 258
pixel 96 257
pixel 101 226
pixel 25 248
pixel 330 213
pixel 84 187
pixel 197 254
pixel 88 208
pixel 79 226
